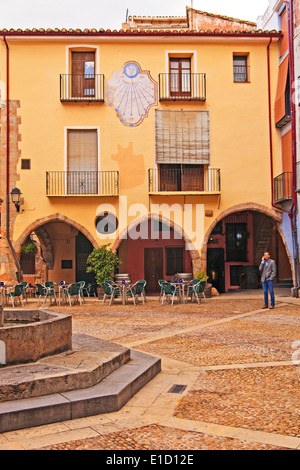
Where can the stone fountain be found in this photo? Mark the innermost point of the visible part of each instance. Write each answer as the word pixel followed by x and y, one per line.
pixel 48 374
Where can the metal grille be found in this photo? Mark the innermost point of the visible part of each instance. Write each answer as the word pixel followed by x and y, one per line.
pixel 181 180
pixel 82 87
pixel 182 86
pixel 177 388
pixel 283 187
pixel 64 183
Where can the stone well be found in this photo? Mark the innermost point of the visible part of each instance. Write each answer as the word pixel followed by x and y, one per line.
pixel 28 335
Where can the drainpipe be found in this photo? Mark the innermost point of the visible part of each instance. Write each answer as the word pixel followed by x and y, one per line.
pixel 7 163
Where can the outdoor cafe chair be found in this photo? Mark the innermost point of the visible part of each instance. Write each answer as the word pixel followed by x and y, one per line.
pixel 45 291
pixel 138 289
pixel 15 293
pixel 195 288
pixel 82 285
pixel 92 289
pixel 170 290
pixel 74 291
pixel 24 285
pixel 50 284
pixel 160 283
pixel 110 289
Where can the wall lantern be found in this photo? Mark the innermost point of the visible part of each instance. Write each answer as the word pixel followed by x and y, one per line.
pixel 16 197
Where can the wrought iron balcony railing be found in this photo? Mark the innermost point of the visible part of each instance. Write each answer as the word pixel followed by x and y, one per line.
pixel 283 187
pixel 78 183
pixel 184 180
pixel 182 86
pixel 81 87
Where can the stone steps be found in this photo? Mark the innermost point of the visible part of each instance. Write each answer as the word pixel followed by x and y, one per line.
pixel 108 394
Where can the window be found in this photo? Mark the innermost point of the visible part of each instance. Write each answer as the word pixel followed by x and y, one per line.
pixel 180 77
pixel 66 264
pixel 83 74
pixel 282 101
pixel 236 241
pixel 240 68
pixel 174 259
pixel 82 161
pixel 181 177
pixel 25 164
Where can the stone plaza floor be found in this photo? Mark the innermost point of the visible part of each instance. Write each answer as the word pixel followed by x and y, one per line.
pixel 236 363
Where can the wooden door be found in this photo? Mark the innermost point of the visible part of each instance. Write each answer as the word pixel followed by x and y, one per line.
pixel 153 266
pixel 83 74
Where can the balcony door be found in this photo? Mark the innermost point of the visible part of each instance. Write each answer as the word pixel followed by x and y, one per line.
pixel 176 177
pixel 83 74
pixel 180 78
pixel 82 174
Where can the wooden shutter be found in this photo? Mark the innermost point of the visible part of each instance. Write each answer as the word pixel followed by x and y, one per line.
pixel 280 107
pixel 182 137
pixel 82 161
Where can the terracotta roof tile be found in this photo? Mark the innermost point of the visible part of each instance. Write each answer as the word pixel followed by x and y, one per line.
pixel 61 31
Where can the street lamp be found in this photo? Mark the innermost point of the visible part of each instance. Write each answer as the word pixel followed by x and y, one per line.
pixel 16 197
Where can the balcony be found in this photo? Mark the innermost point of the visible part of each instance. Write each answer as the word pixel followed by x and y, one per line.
pixel 182 87
pixel 81 87
pixel 283 187
pixel 82 183
pixel 195 181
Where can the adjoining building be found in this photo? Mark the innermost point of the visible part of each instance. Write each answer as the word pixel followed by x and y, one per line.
pixel 284 16
pixel 158 139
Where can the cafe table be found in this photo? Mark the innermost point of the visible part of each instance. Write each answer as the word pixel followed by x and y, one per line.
pixel 181 285
pixel 123 286
pixel 61 292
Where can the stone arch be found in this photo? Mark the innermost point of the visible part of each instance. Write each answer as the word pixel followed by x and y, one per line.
pixel 273 214
pixel 195 257
pixel 37 227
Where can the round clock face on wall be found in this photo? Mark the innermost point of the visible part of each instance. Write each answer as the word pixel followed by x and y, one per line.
pixel 131 70
pixel 131 92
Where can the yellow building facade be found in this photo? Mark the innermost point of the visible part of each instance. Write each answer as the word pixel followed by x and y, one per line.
pixel 108 129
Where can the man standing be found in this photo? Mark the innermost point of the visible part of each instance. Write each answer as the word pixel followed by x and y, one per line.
pixel 267 269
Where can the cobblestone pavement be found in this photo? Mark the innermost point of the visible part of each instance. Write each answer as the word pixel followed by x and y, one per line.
pixel 236 361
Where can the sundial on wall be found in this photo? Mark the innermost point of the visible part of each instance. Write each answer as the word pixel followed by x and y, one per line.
pixel 131 92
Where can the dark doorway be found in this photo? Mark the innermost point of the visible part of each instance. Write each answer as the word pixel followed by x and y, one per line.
pixel 83 248
pixel 153 262
pixel 215 268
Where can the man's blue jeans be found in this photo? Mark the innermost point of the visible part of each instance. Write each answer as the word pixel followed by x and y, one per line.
pixel 268 287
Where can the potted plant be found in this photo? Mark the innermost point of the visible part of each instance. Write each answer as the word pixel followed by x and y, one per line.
pixel 203 277
pixel 102 262
pixel 29 247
